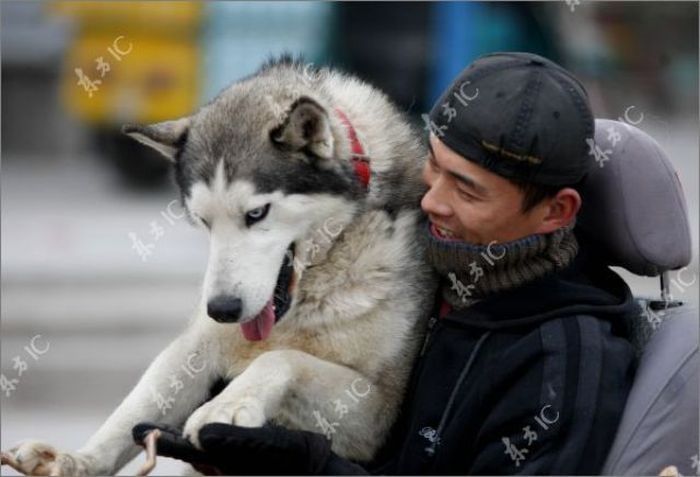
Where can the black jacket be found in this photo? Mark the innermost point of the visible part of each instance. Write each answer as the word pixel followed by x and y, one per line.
pixel 530 381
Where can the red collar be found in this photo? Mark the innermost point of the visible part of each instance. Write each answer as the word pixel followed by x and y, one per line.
pixel 360 161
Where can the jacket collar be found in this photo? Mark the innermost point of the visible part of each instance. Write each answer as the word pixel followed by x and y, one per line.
pixel 586 286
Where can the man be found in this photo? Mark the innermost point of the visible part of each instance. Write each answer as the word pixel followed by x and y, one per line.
pixel 525 368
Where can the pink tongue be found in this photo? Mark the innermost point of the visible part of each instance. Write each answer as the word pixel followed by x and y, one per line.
pixel 259 328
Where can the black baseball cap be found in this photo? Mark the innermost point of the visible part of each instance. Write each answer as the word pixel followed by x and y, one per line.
pixel 519 115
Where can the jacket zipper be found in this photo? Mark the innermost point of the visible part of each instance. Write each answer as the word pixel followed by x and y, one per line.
pixel 431 325
pixel 432 448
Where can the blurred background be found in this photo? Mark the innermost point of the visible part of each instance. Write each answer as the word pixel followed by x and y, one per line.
pixel 96 258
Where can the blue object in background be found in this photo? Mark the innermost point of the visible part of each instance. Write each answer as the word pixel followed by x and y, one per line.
pixel 455 44
pixel 239 36
pixel 463 31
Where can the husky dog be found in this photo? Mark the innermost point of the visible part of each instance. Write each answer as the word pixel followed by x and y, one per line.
pixel 317 289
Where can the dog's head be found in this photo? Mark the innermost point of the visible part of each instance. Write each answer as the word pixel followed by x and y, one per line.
pixel 262 167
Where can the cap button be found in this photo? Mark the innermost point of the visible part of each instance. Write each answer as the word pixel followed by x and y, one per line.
pixel 536 62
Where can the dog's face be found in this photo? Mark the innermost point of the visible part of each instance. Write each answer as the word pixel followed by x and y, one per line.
pixel 259 180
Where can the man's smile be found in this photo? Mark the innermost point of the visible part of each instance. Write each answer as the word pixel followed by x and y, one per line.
pixel 442 232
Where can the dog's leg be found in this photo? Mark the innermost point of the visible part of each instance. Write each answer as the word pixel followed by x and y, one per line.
pixel 152 399
pixel 304 392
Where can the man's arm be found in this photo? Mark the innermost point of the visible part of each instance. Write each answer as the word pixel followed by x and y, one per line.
pixel 235 450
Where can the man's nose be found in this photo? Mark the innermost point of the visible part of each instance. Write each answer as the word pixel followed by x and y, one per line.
pixel 433 202
pixel 225 309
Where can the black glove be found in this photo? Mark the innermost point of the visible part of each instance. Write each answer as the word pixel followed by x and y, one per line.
pixel 234 450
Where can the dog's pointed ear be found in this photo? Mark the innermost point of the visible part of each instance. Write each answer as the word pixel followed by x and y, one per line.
pixel 306 127
pixel 166 137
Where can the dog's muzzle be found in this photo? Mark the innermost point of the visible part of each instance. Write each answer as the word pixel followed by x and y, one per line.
pixel 227 309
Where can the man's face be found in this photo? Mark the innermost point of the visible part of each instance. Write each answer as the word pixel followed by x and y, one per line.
pixel 467 202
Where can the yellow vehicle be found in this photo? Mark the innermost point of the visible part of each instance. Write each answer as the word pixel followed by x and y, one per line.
pixel 131 62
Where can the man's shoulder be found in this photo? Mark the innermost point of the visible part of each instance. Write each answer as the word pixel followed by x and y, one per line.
pixel 574 365
pixel 582 333
pixel 566 349
pixel 563 334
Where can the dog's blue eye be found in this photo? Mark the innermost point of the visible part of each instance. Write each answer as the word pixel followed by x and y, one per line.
pixel 256 215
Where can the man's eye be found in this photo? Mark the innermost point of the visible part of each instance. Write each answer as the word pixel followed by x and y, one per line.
pixel 256 215
pixel 466 195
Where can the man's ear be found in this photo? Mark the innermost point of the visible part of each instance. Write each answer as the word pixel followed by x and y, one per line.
pixel 306 127
pixel 561 210
pixel 166 137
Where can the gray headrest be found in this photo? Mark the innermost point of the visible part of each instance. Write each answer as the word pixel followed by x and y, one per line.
pixel 633 207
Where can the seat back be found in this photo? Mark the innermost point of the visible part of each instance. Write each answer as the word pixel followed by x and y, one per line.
pixel 635 214
pixel 660 424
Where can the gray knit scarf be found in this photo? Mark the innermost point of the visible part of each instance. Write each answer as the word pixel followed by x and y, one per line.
pixel 471 272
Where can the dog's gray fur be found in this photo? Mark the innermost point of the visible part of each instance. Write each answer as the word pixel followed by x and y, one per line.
pixel 360 301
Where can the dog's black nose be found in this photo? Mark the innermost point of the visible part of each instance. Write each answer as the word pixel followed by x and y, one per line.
pixel 225 309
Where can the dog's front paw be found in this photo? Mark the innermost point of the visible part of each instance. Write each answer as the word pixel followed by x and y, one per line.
pixel 205 414
pixel 36 458
pixel 246 412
